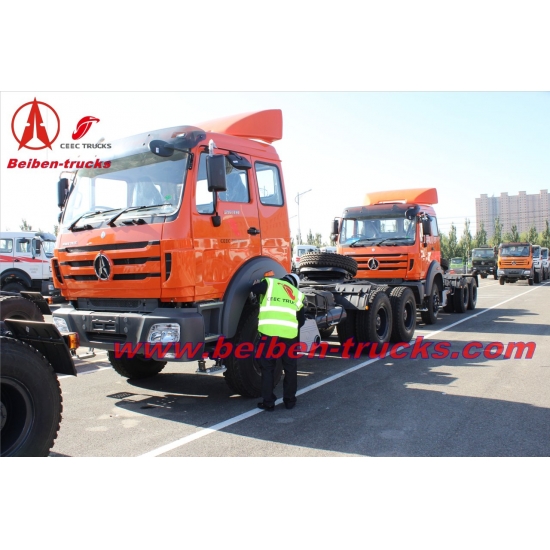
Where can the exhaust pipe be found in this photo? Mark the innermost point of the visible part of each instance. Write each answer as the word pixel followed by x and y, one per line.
pixel 331 317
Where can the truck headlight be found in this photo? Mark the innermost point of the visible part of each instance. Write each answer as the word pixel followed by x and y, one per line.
pixel 527 272
pixel 61 325
pixel 500 272
pixel 164 333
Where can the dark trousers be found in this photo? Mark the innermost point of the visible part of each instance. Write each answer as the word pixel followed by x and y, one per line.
pixel 269 364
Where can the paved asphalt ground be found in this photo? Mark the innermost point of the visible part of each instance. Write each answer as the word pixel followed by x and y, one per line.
pixel 346 407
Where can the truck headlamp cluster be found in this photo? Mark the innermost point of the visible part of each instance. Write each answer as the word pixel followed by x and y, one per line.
pixel 527 272
pixel 164 333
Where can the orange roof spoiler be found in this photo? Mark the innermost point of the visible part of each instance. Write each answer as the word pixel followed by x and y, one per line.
pixel 265 125
pixel 427 195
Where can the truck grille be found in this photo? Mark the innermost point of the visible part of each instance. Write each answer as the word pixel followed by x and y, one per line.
pixel 394 264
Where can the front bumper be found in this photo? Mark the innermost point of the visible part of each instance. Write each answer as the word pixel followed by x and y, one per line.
pixel 110 331
pixel 517 273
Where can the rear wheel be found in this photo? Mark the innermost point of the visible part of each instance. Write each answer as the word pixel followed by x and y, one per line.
pixel 244 376
pixel 346 329
pixel 461 297
pixel 31 401
pixel 472 294
pixel 136 367
pixel 403 305
pixel 17 307
pixel 375 325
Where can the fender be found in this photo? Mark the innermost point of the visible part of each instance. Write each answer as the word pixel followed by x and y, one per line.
pixel 14 273
pixel 434 271
pixel 238 290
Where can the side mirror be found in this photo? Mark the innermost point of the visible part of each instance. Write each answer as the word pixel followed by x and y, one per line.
pixel 215 173
pixel 62 189
pixel 426 227
pixel 335 227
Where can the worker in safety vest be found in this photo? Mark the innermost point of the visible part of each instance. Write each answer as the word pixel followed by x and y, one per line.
pixel 280 318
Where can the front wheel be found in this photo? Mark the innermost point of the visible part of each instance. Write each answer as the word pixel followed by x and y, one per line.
pixel 244 376
pixel 531 282
pixel 501 280
pixel 430 316
pixel 136 367
pixel 31 401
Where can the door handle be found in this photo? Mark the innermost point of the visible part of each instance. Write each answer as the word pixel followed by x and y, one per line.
pixel 253 231
pixel 16 260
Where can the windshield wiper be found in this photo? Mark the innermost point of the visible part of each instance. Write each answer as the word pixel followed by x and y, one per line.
pixel 88 215
pixel 131 209
pixel 356 243
pixel 395 239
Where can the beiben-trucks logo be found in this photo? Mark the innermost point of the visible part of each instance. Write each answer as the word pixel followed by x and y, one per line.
pixel 33 123
pixel 36 125
pixel 288 290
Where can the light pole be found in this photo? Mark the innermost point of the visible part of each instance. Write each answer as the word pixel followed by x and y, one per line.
pixel 297 199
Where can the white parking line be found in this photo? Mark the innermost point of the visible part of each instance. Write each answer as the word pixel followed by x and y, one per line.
pixel 220 426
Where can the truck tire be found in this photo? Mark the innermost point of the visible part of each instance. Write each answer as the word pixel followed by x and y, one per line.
pixel 461 297
pixel 531 281
pixel 17 307
pixel 346 329
pixel 430 317
pixel 31 401
pixel 244 376
pixel 329 259
pixel 403 306
pixel 484 275
pixel 326 333
pixel 501 280
pixel 472 294
pixel 537 278
pixel 375 325
pixel 14 287
pixel 136 367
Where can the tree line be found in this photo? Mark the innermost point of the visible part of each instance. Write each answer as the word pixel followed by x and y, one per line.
pixel 453 246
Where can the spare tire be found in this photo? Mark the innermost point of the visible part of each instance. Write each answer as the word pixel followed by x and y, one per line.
pixel 17 307
pixel 329 259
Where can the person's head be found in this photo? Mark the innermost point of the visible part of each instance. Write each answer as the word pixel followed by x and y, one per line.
pixel 292 278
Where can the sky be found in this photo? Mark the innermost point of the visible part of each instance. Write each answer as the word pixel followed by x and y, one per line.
pixel 336 146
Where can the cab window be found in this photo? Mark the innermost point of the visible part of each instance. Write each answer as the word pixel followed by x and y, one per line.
pixel 23 246
pixel 6 245
pixel 269 184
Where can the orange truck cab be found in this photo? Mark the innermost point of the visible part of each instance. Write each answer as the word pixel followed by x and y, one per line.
pixel 163 241
pixel 515 263
pixel 395 240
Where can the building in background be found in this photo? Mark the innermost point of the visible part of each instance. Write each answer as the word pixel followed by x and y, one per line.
pixel 523 210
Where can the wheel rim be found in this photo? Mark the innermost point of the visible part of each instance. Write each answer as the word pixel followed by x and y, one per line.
pixel 16 414
pixel 381 323
pixel 435 303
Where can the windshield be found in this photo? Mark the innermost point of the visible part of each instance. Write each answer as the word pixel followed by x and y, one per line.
pixel 536 252
pixel 47 247
pixel 140 180
pixel 483 253
pixel 514 251
pixel 378 230
pixel 457 260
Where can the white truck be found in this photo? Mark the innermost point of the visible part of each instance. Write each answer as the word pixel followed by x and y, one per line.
pixel 545 263
pixel 25 262
pixel 538 267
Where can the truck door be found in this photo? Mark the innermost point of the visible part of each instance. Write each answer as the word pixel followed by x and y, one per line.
pixel 220 251
pixel 275 231
pixel 24 258
pixel 6 254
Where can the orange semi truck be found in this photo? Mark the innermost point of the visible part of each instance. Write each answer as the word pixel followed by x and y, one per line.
pixel 162 241
pixel 395 240
pixel 515 263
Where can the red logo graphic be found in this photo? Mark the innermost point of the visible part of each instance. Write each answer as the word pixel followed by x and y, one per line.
pixel 288 290
pixel 35 128
pixel 84 124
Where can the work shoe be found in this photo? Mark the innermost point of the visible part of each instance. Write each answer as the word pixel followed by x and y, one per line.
pixel 289 404
pixel 268 408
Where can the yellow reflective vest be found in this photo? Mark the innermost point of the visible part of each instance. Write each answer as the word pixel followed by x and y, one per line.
pixel 278 308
